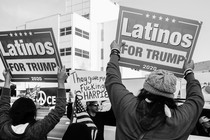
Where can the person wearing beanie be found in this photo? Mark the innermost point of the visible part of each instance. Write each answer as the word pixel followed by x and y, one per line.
pixel 153 114
pixel 19 121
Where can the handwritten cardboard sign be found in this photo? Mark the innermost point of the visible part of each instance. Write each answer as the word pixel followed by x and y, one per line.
pixel 156 41
pixel 88 85
pixel 31 55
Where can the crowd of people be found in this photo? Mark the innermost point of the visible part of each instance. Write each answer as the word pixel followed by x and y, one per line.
pixel 153 114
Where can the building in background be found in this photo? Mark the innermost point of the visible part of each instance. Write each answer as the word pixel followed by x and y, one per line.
pixel 83 34
pixel 77 31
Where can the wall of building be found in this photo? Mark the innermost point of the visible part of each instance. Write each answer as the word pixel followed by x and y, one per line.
pixel 65 43
pixel 81 40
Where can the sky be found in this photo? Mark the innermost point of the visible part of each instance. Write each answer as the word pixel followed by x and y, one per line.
pixel 15 13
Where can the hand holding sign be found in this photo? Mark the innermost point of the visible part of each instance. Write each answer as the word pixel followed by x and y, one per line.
pixel 115 46
pixel 189 65
pixel 7 77
pixel 62 76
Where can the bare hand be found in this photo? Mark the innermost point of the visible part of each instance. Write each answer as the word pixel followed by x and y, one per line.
pixel 7 77
pixel 61 74
pixel 6 74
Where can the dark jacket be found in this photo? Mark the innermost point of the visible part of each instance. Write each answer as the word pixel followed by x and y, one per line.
pixel 125 105
pixel 36 131
pixel 77 131
pixel 100 119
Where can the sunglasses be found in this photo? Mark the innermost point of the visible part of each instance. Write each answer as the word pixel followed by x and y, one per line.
pixel 96 105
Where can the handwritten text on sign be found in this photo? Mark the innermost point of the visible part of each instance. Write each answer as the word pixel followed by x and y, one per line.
pixel 31 55
pixel 155 41
pixel 88 85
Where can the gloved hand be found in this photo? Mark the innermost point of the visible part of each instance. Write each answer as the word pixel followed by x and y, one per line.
pixel 115 46
pixel 189 65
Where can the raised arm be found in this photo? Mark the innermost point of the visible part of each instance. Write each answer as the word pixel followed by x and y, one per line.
pixel 62 76
pixel 48 123
pixel 119 96
pixel 190 111
pixel 5 98
pixel 193 88
pixel 7 78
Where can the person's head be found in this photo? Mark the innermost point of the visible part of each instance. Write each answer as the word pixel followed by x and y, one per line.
pixel 162 83
pixel 92 106
pixel 204 121
pixel 23 111
pixel 77 131
pixel 159 88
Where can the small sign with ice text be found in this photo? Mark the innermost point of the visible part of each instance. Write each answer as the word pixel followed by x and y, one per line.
pixel 31 55
pixel 156 41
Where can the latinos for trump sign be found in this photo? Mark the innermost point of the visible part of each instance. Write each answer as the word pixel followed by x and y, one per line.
pixel 31 55
pixel 155 41
pixel 88 85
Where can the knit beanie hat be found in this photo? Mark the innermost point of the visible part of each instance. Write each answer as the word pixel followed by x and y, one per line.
pixel 161 82
pixel 22 111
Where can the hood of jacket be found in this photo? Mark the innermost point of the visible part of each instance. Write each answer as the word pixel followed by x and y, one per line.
pixel 19 129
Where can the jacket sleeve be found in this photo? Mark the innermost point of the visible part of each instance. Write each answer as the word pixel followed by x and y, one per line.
pixel 194 96
pixel 69 110
pixel 119 96
pixel 4 105
pixel 48 123
pixel 189 112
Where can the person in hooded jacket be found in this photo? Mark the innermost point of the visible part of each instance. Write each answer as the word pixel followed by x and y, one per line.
pixel 153 114
pixel 19 121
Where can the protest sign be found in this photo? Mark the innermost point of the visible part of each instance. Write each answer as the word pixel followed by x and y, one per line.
pixel 88 85
pixel 31 55
pixel 155 41
pixel 47 96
